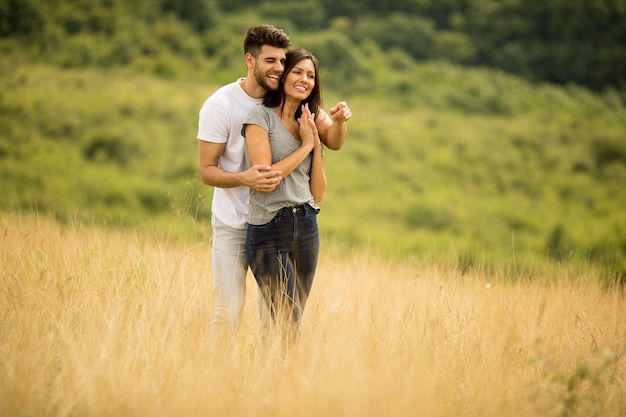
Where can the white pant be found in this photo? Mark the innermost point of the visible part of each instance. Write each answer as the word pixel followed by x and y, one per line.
pixel 230 268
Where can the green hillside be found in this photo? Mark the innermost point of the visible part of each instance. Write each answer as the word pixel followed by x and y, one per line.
pixel 442 160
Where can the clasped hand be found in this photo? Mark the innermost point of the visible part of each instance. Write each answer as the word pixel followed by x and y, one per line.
pixel 308 130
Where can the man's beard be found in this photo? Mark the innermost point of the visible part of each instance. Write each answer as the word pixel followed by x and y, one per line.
pixel 260 79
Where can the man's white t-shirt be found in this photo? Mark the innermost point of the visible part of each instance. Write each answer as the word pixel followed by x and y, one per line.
pixel 221 119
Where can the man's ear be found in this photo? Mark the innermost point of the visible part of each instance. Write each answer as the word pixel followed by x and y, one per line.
pixel 249 58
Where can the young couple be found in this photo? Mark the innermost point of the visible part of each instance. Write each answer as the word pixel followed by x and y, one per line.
pixel 260 146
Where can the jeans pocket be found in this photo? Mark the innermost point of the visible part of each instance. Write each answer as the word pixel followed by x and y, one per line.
pixel 310 211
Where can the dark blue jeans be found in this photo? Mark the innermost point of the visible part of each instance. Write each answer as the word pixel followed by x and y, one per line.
pixel 283 258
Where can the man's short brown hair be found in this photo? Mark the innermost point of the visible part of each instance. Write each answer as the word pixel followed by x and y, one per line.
pixel 257 36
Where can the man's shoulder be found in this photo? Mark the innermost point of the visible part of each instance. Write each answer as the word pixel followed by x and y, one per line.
pixel 229 94
pixel 228 89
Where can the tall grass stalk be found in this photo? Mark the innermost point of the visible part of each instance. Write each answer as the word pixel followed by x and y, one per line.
pixel 99 322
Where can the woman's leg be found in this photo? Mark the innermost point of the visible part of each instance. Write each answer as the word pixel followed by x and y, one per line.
pixel 305 254
pixel 268 249
pixel 283 257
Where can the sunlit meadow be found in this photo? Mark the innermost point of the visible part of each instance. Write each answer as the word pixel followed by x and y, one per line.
pixel 99 322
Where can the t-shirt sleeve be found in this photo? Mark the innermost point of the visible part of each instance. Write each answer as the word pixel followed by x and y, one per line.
pixel 214 121
pixel 259 116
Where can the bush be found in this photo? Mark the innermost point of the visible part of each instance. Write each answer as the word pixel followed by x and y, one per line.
pixel 20 18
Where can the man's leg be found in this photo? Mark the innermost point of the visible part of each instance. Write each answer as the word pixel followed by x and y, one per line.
pixel 230 267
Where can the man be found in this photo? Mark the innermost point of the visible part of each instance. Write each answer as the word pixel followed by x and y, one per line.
pixel 221 163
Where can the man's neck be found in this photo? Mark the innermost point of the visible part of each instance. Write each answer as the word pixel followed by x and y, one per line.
pixel 252 88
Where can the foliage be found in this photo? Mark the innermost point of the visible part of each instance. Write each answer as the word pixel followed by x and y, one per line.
pixel 20 18
pixel 561 41
pixel 558 41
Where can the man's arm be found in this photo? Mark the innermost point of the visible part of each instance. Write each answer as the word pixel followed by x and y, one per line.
pixel 258 177
pixel 332 128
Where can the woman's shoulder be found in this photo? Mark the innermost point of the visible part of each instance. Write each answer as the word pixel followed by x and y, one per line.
pixel 261 115
pixel 260 110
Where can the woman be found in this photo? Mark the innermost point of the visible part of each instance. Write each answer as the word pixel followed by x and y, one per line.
pixel 282 243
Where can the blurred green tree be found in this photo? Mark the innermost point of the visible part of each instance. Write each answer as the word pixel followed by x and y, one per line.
pixel 20 18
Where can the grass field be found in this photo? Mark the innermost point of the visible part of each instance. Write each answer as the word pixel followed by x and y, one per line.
pixel 99 322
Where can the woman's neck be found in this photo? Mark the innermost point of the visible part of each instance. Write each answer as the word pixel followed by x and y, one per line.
pixel 288 109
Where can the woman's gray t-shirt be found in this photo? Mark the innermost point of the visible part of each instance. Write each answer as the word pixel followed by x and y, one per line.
pixel 294 189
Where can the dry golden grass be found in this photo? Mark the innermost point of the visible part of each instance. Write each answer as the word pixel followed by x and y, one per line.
pixel 102 323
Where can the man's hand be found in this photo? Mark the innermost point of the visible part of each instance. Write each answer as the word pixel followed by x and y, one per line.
pixel 262 178
pixel 332 127
pixel 340 112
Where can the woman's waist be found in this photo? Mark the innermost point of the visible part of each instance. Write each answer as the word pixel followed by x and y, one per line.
pixel 260 214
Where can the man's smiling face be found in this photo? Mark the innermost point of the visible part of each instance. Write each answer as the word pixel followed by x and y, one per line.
pixel 269 66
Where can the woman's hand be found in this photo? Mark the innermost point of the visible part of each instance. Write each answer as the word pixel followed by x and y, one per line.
pixel 308 129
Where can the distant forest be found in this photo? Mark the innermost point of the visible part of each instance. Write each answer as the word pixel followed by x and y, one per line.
pixel 563 42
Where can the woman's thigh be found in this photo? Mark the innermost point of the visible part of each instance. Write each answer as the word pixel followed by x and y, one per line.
pixel 306 253
pixel 265 244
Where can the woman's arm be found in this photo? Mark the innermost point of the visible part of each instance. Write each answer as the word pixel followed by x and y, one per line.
pixel 318 181
pixel 258 144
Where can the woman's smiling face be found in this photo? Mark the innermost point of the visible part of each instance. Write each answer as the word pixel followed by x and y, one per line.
pixel 300 80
